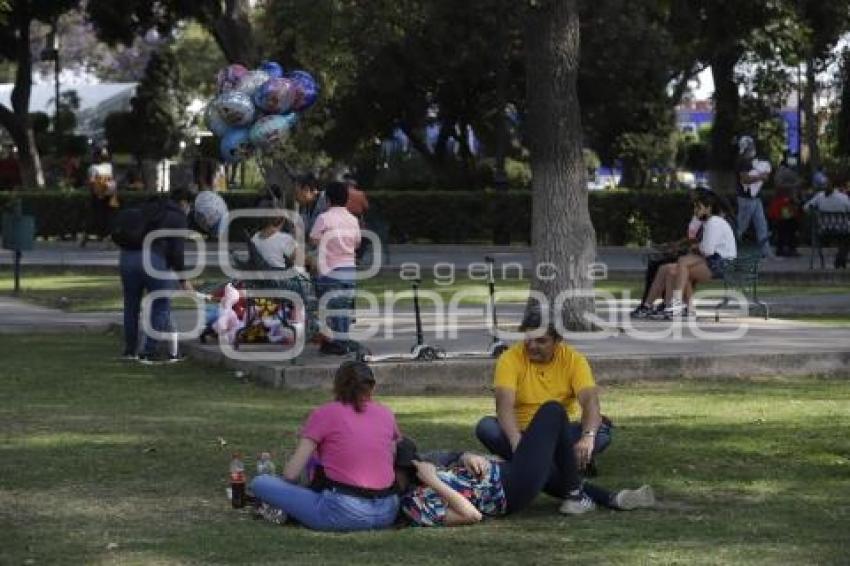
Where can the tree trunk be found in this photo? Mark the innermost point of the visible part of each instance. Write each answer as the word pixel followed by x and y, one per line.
pixel 17 121
pixel 150 175
pixel 726 102
pixel 500 176
pixel 563 239
pixel 810 117
pixel 234 34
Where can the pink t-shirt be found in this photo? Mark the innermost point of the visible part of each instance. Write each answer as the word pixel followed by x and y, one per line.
pixel 355 448
pixel 338 233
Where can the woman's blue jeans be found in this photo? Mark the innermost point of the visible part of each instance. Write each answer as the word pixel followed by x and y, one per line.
pixel 326 510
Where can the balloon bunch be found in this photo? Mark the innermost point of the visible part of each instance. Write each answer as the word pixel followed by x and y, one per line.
pixel 254 111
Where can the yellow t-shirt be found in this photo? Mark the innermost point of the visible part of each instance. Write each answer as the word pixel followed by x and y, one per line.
pixel 559 380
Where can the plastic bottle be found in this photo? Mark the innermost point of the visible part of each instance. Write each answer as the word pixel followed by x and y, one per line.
pixel 237 481
pixel 265 464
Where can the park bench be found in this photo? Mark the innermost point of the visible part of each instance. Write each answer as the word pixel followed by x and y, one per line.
pixel 742 274
pixel 825 226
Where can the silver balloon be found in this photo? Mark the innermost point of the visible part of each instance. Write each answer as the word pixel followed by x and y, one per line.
pixel 252 81
pixel 235 108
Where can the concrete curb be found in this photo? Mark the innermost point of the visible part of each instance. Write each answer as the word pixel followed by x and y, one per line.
pixel 475 376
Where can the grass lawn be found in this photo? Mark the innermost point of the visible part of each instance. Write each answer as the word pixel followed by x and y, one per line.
pixel 107 463
pixel 81 291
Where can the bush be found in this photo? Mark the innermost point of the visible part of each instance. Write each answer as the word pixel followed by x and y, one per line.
pixel 620 217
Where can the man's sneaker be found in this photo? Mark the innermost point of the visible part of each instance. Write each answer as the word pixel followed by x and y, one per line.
pixel 628 499
pixel 675 308
pixel 577 505
pixel 159 359
pixel 129 357
pixel 642 311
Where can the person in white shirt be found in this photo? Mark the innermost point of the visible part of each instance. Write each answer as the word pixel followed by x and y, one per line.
pixel 830 200
pixel 676 280
pixel 276 247
pixel 827 199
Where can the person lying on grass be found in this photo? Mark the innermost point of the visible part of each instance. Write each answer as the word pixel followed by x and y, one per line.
pixel 463 488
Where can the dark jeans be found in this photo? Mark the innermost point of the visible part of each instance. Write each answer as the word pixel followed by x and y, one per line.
pixel 786 236
pixel 559 478
pixel 546 440
pixel 340 279
pixel 135 283
pixel 100 217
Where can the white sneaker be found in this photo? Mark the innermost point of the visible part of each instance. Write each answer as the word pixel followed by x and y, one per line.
pixel 578 505
pixel 628 499
pixel 675 308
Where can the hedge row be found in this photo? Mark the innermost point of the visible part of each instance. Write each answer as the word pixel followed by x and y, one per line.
pixel 619 217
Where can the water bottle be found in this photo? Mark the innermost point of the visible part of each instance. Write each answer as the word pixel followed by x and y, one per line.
pixel 237 481
pixel 265 464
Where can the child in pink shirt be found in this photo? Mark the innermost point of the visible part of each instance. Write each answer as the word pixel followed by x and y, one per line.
pixel 337 234
pixel 356 441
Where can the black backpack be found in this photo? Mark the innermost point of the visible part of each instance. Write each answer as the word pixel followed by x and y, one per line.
pixel 131 225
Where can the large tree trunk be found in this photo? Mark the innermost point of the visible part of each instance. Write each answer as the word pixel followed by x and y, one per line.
pixel 562 233
pixel 16 121
pixel 234 34
pixel 726 102
pixel 810 117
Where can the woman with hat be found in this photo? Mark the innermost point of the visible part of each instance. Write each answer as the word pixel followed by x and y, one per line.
pixel 355 439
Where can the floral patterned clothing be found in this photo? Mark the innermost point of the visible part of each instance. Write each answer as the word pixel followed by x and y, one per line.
pixel 427 509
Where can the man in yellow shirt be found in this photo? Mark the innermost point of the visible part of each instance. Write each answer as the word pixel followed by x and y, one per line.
pixel 542 368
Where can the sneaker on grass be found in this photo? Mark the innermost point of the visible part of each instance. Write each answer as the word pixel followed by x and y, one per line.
pixel 268 513
pixel 160 359
pixel 628 499
pixel 577 505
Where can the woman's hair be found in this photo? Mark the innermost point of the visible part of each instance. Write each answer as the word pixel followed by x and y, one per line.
pixel 353 384
pixel 710 200
pixel 337 193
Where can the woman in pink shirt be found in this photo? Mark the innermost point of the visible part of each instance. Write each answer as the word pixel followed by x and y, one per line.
pixel 355 439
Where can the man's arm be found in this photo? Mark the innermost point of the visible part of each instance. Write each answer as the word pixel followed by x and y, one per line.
pixel 505 399
pixel 591 418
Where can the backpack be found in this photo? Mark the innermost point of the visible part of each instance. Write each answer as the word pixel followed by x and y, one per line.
pixel 131 225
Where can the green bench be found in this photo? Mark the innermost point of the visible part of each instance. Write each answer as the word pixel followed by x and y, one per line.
pixel 742 274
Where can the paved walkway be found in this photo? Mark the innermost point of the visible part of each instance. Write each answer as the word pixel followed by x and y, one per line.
pixel 618 259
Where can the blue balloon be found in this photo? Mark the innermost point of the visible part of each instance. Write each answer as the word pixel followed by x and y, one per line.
pixel 215 122
pixel 272 69
pixel 276 96
pixel 269 132
pixel 236 145
pixel 306 90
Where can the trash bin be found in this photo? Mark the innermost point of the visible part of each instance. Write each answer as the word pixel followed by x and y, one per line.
pixel 18 231
pixel 18 236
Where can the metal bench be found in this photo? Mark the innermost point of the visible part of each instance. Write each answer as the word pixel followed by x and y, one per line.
pixel 826 226
pixel 742 274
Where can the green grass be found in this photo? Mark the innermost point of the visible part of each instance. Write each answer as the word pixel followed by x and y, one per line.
pixel 824 320
pixel 84 291
pixel 103 462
